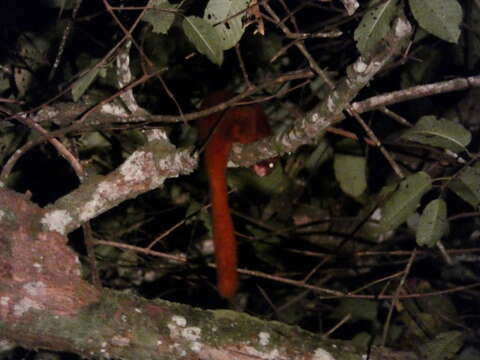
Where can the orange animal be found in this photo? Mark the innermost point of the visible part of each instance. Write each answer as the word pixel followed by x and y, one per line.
pixel 242 124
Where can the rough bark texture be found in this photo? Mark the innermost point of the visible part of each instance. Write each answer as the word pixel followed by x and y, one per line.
pixel 44 303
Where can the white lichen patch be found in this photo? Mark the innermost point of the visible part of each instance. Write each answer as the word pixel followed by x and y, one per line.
pixel 192 333
pixel 175 324
pixel 402 27
pixel 196 346
pixel 173 164
pixel 105 353
pixel 132 169
pixel 231 164
pixel 177 349
pixel 106 191
pixel 264 338
pixel 331 103
pixel 157 134
pixel 113 109
pixel 360 66
pixel 351 6
pixel 56 220
pixel 315 117
pixel 121 341
pixel 37 266
pixel 90 208
pixel 2 214
pixel 4 300
pixel 48 112
pixel 321 354
pixel 273 354
pixel 7 345
pixel 35 288
pixel 179 320
pixel 377 215
pixel 25 305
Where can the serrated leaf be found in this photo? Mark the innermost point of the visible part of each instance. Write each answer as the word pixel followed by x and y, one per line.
pixel 351 173
pixel 467 185
pixel 160 15
pixel 204 37
pixel 227 17
pixel 441 133
pixel 374 25
pixel 441 18
pixel 82 84
pixel 444 346
pixel 433 223
pixel 404 200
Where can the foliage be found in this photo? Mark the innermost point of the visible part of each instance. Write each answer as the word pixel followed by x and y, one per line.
pixel 335 214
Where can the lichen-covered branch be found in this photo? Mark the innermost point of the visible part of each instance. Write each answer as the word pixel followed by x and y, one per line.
pixel 44 303
pixel 328 112
pixel 145 169
pixel 38 270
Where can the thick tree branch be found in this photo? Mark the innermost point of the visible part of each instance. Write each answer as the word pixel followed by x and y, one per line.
pixel 44 303
pixel 145 169
pixel 329 111
pixel 148 167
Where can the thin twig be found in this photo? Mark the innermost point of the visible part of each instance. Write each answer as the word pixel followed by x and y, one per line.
pixel 329 292
pixel 377 142
pixel 396 297
pixel 242 66
pixel 66 33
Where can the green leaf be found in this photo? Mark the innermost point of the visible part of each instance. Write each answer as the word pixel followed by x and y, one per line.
pixel 227 17
pixel 351 173
pixel 358 309
pixel 82 84
pixel 444 346
pixel 473 53
pixel 160 15
pixel 403 202
pixel 61 4
pixel 246 180
pixel 204 37
pixel 317 157
pixel 433 223
pixel 441 133
pixel 375 25
pixel 441 18
pixel 467 185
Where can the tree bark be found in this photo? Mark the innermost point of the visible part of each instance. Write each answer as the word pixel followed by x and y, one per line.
pixel 44 303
